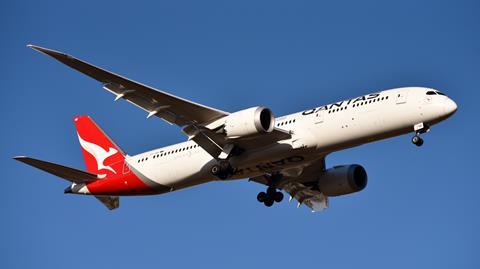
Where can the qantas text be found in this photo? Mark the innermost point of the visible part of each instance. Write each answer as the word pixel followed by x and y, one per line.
pixel 341 103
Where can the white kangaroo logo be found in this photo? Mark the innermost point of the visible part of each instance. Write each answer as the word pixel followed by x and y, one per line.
pixel 98 153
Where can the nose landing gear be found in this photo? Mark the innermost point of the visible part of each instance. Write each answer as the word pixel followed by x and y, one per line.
pixel 419 129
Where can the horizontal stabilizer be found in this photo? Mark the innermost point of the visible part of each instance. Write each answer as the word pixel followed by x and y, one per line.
pixel 70 174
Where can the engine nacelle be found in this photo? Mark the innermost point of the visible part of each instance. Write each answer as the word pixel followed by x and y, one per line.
pixel 341 180
pixel 249 122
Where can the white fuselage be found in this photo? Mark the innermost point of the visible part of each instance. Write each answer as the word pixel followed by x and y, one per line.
pixel 315 133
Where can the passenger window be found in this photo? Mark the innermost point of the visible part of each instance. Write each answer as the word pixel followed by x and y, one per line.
pixel 431 93
pixel 441 93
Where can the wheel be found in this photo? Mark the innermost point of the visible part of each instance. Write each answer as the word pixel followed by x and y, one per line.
pixel 261 197
pixel 278 197
pixel 417 140
pixel 268 202
pixel 420 142
pixel 215 170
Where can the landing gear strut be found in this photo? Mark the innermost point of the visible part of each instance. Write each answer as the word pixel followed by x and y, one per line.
pixel 222 170
pixel 271 196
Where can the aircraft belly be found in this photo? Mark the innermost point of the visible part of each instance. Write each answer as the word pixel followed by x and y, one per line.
pixel 272 159
pixel 180 172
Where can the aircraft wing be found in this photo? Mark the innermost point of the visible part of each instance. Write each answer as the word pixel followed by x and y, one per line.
pixel 303 188
pixel 172 109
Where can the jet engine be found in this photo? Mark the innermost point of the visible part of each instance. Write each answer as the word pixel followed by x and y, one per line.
pixel 341 180
pixel 249 122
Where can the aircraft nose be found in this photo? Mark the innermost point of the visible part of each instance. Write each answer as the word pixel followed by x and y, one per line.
pixel 450 107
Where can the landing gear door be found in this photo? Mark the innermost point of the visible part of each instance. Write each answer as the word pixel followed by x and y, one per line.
pixel 401 98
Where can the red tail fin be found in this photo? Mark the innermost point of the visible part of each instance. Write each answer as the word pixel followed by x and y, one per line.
pixel 102 156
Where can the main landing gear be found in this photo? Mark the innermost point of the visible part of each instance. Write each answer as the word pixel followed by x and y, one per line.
pixel 270 196
pixel 419 129
pixel 222 170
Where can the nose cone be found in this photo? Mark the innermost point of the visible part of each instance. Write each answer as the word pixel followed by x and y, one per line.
pixel 450 107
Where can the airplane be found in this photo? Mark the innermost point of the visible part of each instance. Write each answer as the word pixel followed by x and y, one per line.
pixel 284 153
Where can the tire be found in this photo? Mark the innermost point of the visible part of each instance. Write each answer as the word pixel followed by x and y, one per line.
pixel 261 197
pixel 420 142
pixel 278 197
pixel 268 202
pixel 415 140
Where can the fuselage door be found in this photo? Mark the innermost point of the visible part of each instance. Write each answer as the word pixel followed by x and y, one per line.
pixel 401 98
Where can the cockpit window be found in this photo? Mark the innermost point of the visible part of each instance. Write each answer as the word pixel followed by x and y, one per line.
pixel 441 93
pixel 431 93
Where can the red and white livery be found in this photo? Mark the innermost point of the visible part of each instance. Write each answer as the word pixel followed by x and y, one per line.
pixel 285 153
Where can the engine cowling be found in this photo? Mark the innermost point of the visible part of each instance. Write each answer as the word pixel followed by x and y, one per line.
pixel 249 122
pixel 344 179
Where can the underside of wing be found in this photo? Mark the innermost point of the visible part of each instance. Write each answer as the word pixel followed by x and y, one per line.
pixel 307 195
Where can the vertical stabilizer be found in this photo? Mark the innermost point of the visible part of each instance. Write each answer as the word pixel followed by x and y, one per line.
pixel 102 156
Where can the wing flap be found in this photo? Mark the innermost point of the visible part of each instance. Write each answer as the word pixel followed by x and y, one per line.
pixel 306 195
pixel 70 174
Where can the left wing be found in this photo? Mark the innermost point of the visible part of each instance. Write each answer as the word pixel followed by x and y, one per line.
pixel 303 188
pixel 172 109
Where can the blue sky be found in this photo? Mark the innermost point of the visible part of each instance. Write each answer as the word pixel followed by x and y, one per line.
pixel 419 210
